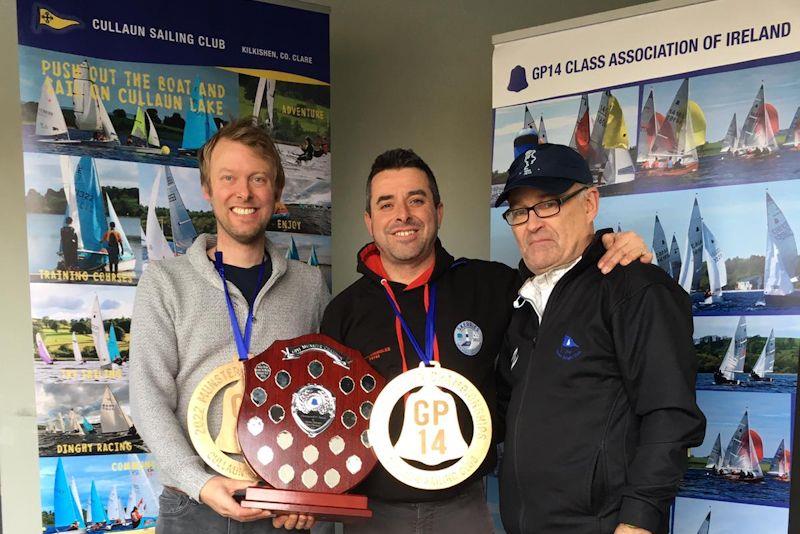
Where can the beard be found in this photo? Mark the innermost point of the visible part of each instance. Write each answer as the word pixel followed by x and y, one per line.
pixel 244 238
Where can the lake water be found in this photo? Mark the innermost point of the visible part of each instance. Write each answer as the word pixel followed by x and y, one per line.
pixel 780 383
pixel 701 484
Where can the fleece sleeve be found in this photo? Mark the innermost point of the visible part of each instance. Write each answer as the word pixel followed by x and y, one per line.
pixel 653 338
pixel 153 392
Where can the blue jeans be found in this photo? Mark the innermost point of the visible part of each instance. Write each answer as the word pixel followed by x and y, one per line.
pixel 180 514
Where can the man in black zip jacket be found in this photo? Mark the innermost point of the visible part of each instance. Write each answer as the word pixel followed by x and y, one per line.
pixel 473 308
pixel 601 369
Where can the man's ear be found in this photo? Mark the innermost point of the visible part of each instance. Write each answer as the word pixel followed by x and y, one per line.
pixel 368 223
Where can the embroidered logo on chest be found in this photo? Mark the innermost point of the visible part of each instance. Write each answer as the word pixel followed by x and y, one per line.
pixel 468 338
pixel 569 350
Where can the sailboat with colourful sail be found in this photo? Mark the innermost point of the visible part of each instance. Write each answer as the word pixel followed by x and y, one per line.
pixel 312 258
pixel 580 139
pixel 97 512
pixel 200 124
pixel 792 141
pixel 781 464
pixel 733 362
pixel 112 418
pixel 291 251
pixel 758 131
pixel 50 124
pixel 144 137
pixel 99 336
pixel 41 350
pixel 766 360
pixel 90 112
pixel 618 163
pixel 113 346
pixel 714 461
pixel 674 149
pixel 742 456
pixel 89 216
pixel 67 513
pixel 730 144
pixel 780 265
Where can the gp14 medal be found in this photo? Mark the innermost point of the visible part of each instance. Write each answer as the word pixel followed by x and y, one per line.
pixel 303 426
pixel 430 433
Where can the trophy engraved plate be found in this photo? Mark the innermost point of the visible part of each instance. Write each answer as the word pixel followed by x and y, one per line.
pixel 305 410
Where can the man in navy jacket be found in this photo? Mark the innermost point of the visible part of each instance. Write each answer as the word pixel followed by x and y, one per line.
pixel 599 371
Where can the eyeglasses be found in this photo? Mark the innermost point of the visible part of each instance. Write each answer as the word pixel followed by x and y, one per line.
pixel 543 209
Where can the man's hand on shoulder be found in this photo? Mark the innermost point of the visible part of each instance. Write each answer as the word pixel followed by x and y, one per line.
pixel 630 529
pixel 218 492
pixel 623 248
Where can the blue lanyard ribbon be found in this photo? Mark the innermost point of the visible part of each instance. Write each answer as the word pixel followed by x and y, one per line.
pixel 242 341
pixel 430 326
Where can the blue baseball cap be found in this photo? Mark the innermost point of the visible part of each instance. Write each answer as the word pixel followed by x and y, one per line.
pixel 547 167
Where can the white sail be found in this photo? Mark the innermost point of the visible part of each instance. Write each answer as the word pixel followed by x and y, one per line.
pixel 715 456
pixel 74 423
pixel 152 134
pixel 619 166
pixel 780 266
pixel 262 84
pixel 660 246
pixel 156 243
pixel 733 362
pixel 674 259
pixel 68 181
pixel 705 525
pixel 109 132
pixel 112 418
pixel 528 122
pixel 731 141
pixel 757 130
pixel 265 86
pixel 76 350
pixel 114 508
pixel 690 270
pixel 87 114
pixel 668 140
pixel 49 117
pixel 648 129
pixel 766 361
pixel 61 427
pixel 127 250
pixel 793 133
pixel 542 131
pixel 778 464
pixel 99 336
pixel 140 481
pixel 133 498
pixel 75 495
pixel 712 255
pixel 740 455
pixel 598 153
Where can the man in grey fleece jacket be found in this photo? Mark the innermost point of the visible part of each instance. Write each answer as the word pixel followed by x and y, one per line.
pixel 181 329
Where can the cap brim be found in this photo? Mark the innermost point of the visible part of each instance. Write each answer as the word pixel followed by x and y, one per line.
pixel 548 185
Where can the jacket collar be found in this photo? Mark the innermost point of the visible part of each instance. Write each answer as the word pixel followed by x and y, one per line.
pixel 370 265
pixel 198 257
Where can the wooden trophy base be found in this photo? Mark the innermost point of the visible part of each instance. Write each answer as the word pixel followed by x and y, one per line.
pixel 323 506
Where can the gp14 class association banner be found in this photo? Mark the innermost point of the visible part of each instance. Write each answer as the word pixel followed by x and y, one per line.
pixel 689 119
pixel 116 99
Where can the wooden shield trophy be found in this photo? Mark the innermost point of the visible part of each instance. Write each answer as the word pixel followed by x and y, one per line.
pixel 302 427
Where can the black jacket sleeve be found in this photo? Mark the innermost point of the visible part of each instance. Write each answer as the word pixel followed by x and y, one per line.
pixel 653 339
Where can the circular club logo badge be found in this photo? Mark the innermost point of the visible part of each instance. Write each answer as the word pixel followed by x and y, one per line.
pixel 468 338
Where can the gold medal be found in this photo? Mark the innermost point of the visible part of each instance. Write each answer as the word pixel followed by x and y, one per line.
pixel 431 433
pixel 206 446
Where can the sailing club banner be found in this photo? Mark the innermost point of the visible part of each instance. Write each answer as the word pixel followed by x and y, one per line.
pixel 688 114
pixel 116 99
